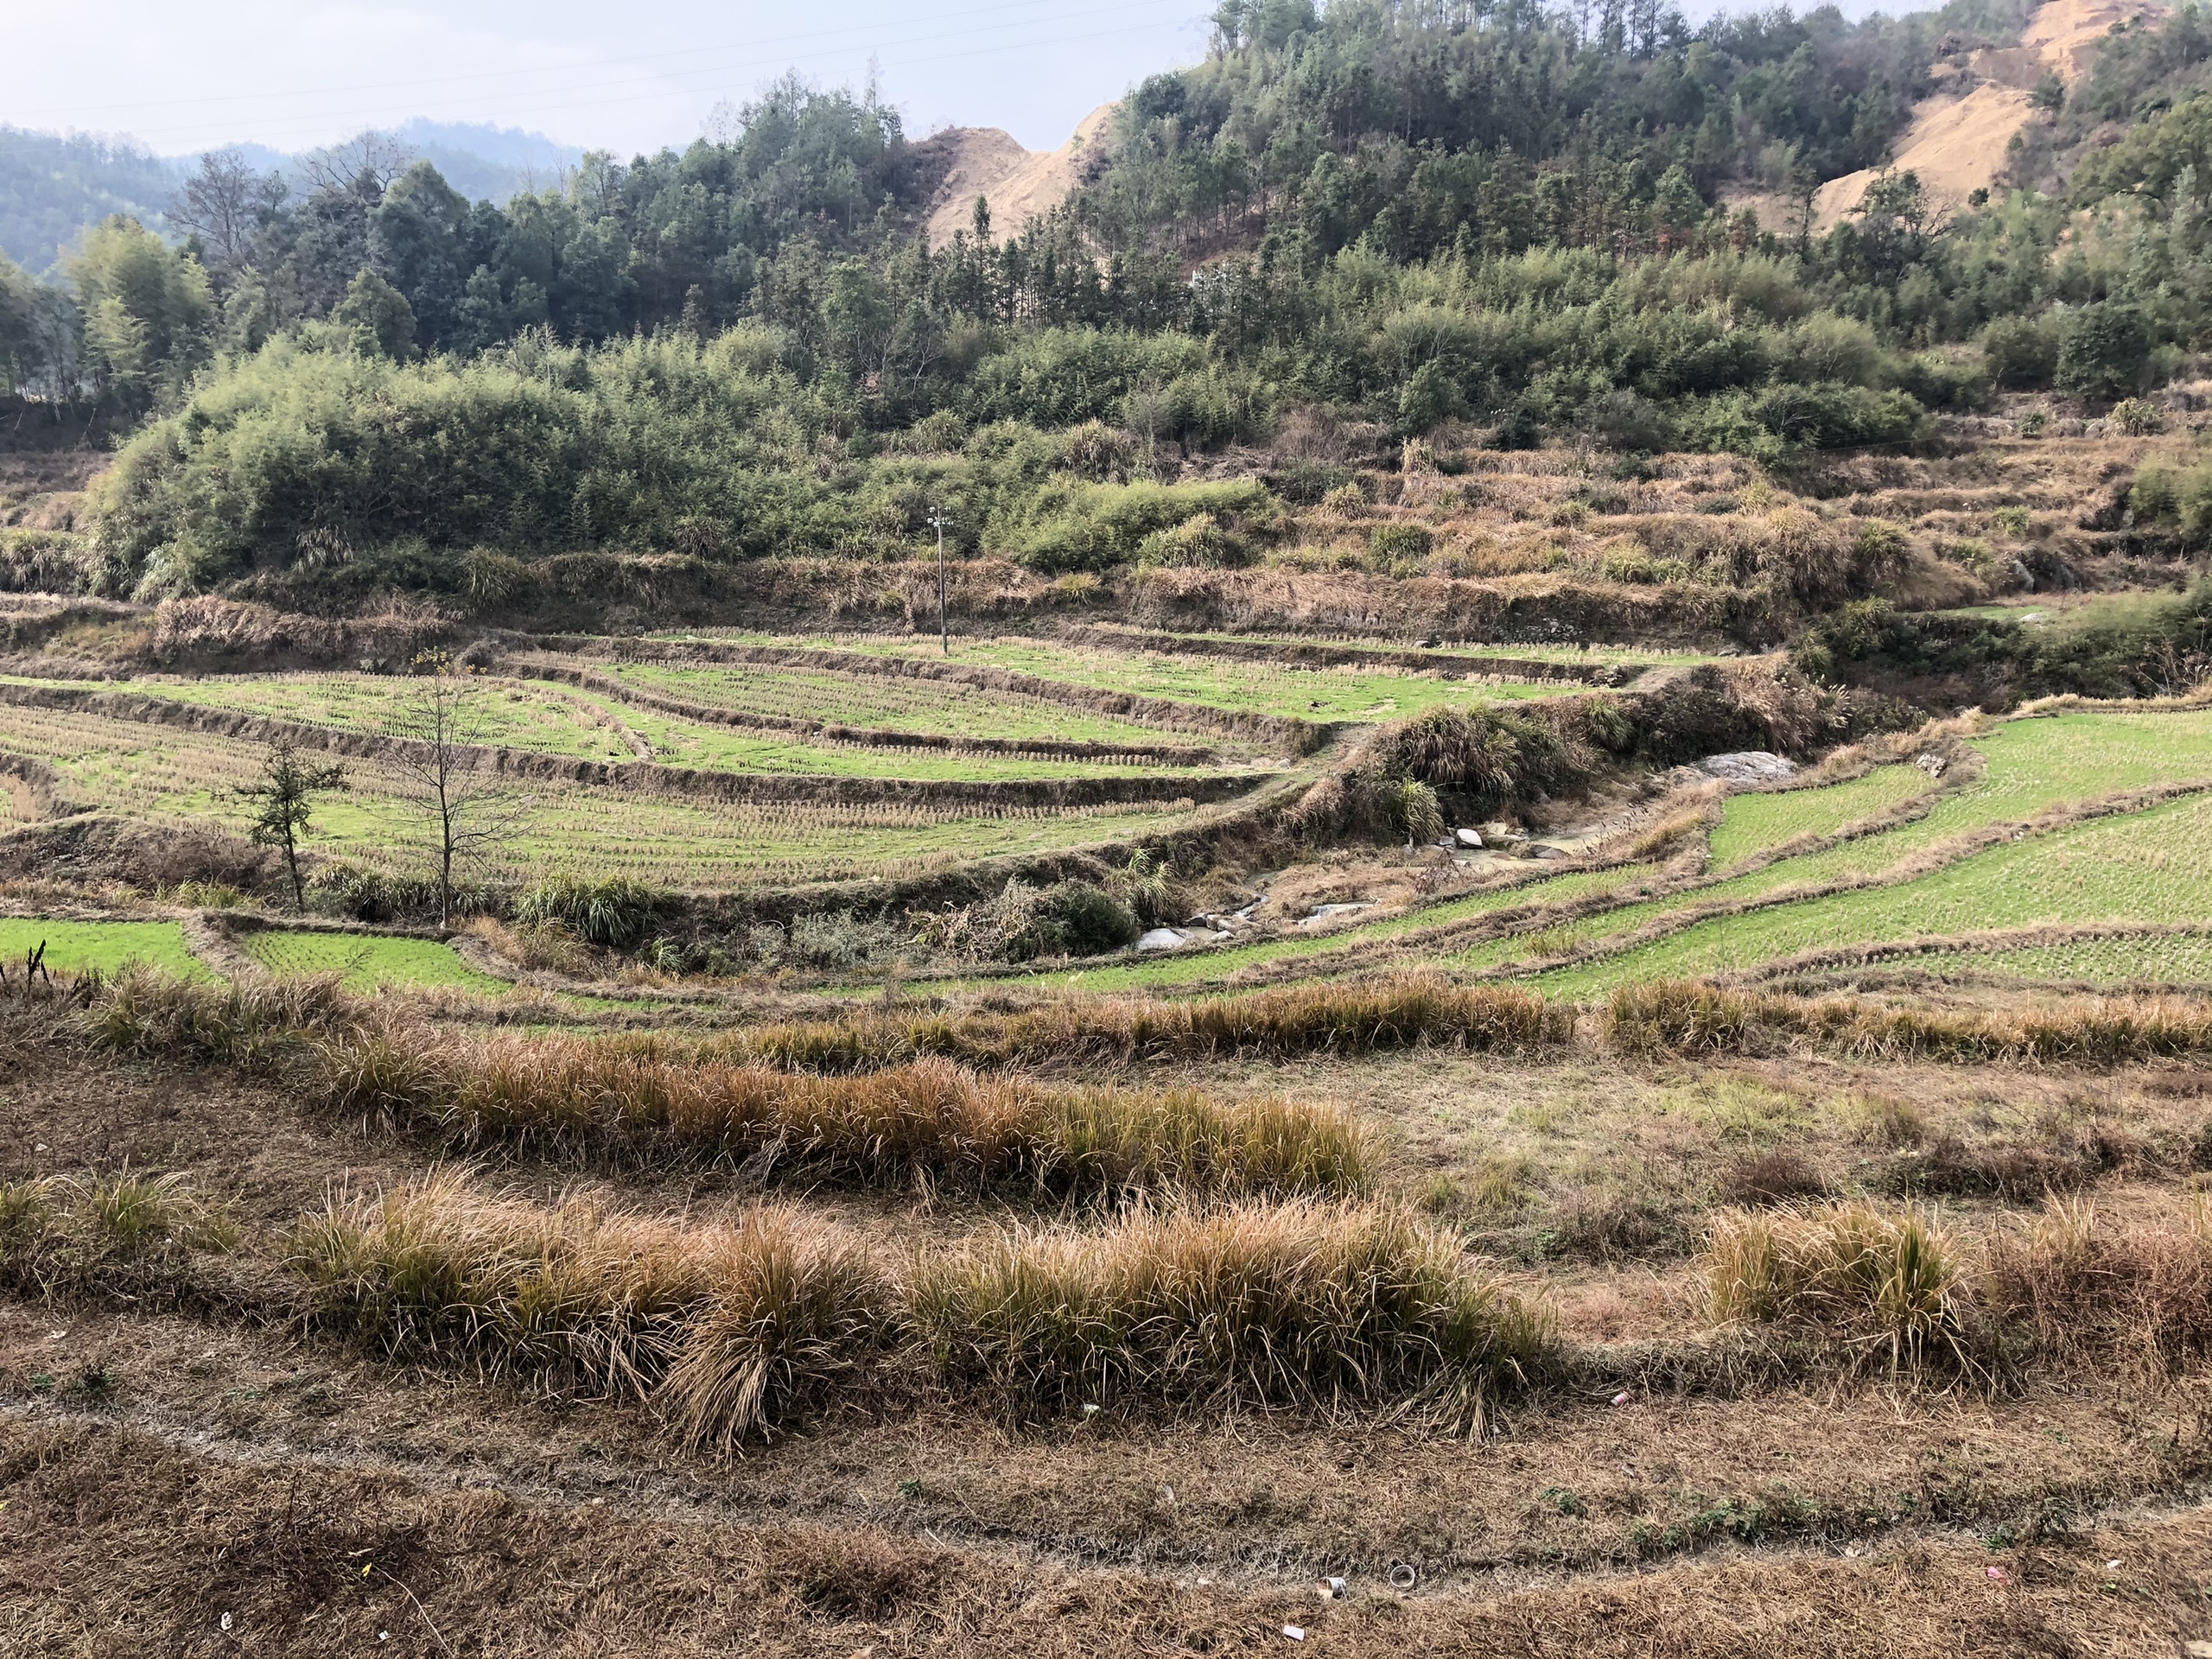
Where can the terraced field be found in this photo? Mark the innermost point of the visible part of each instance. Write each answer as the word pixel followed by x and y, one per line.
pixel 583 725
pixel 2031 766
pixel 1758 823
pixel 2139 867
pixel 2180 958
pixel 921 705
pixel 1347 692
pixel 169 775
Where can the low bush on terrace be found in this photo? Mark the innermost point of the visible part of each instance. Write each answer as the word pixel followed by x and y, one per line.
pixel 1408 1011
pixel 927 1119
pixel 1302 1303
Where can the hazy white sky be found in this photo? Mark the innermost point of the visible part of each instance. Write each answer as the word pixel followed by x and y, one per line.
pixel 628 76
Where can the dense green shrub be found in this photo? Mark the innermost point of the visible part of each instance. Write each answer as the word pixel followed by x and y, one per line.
pixel 612 910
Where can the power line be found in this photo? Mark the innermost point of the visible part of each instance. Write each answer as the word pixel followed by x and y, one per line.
pixel 691 53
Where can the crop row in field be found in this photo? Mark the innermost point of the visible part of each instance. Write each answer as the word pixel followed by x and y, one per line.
pixel 168 775
pixel 940 707
pixel 1346 692
pixel 1585 655
pixel 2137 959
pixel 2143 865
pixel 507 714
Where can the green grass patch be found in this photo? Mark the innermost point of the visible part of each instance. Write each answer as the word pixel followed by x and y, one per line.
pixel 369 962
pixel 108 946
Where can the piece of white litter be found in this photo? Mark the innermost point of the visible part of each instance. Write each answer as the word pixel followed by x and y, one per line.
pixel 2112 1566
pixel 1090 1410
pixel 1621 1399
pixel 1333 1589
pixel 1295 1632
pixel 226 1621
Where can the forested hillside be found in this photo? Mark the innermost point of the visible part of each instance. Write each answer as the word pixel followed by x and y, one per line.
pixel 1457 225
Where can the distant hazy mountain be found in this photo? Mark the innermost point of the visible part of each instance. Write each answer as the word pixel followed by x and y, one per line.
pixel 52 186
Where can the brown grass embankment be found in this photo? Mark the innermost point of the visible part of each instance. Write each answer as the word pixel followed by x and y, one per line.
pixel 1690 1017
pixel 1407 1011
pixel 728 1330
pixel 623 1101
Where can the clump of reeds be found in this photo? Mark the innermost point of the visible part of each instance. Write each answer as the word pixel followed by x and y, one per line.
pixel 931 1118
pixel 1688 1017
pixel 1877 1282
pixel 1411 1010
pixel 1302 1304
pixel 731 1328
pixel 67 1235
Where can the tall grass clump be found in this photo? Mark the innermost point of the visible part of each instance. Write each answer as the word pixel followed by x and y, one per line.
pixel 733 1328
pixel 139 1011
pixel 121 1233
pixel 1302 1304
pixel 931 1119
pixel 1407 1011
pixel 1892 1285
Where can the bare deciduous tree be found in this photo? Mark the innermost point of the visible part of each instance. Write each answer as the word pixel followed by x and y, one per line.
pixel 368 161
pixel 221 204
pixel 466 813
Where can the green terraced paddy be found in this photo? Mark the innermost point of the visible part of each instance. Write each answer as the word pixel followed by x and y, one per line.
pixel 521 715
pixel 104 945
pixel 2142 866
pixel 924 706
pixel 1343 693
pixel 369 962
pixel 2032 766
pixel 166 774
pixel 1758 821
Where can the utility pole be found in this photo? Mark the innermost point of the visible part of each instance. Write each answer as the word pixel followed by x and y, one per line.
pixel 943 628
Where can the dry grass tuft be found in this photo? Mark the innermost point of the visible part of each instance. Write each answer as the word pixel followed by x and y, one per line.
pixel 1872 1281
pixel 2082 1294
pixel 931 1118
pixel 732 1329
pixel 1303 1304
pixel 120 1234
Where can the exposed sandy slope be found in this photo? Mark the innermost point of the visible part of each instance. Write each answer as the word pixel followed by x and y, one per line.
pixel 1957 143
pixel 1018 184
